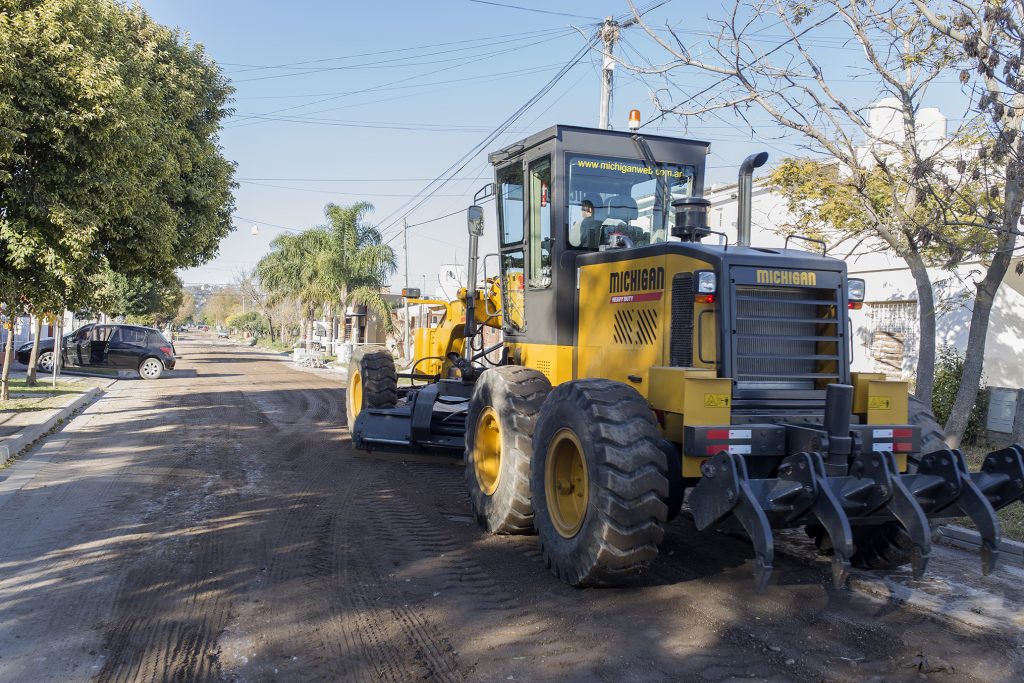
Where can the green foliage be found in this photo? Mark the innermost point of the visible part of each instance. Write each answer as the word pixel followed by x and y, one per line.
pixel 145 300
pixel 828 205
pixel 345 262
pixel 949 370
pixel 109 156
pixel 253 323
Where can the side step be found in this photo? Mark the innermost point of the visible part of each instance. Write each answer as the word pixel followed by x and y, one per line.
pixel 874 492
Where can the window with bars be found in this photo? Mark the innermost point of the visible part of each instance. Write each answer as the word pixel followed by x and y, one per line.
pixel 894 332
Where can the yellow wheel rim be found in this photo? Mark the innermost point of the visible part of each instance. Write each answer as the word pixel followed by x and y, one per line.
pixel 355 394
pixel 566 484
pixel 487 451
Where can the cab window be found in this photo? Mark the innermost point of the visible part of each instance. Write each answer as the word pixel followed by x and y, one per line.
pixel 540 223
pixel 608 195
pixel 510 205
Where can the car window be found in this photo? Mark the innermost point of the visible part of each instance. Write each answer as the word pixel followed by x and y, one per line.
pixel 133 335
pixel 115 335
pixel 101 333
pixel 82 333
pixel 157 339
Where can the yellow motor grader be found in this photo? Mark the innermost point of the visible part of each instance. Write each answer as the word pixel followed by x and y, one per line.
pixel 639 362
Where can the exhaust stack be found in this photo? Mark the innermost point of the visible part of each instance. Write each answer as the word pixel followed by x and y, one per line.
pixel 745 186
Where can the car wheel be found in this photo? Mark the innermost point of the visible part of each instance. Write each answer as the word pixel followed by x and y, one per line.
pixel 151 368
pixel 45 361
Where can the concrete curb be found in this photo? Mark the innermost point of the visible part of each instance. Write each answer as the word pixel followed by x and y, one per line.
pixel 959 537
pixel 13 445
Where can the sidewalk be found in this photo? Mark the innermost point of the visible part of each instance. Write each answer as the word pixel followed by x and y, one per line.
pixel 34 411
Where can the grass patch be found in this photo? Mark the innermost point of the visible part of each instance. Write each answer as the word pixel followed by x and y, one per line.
pixel 44 386
pixel 1011 517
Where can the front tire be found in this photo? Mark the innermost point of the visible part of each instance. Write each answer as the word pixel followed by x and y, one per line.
pixel 45 361
pixel 499 432
pixel 151 368
pixel 599 483
pixel 372 381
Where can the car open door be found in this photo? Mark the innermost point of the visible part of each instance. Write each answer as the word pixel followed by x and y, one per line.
pixel 80 347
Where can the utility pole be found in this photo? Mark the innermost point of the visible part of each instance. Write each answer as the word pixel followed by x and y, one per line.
pixel 609 33
pixel 405 242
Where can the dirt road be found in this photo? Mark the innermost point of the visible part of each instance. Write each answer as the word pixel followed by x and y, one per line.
pixel 217 525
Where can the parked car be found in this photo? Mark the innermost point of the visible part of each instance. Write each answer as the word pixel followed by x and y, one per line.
pixel 120 347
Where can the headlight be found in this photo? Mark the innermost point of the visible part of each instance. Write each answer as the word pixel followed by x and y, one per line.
pixel 24 347
pixel 707 283
pixel 855 289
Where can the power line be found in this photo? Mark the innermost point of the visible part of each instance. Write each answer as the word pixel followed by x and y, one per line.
pixel 526 34
pixel 362 91
pixel 533 9
pixel 462 162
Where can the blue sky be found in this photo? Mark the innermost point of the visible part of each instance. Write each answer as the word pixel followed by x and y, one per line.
pixel 346 101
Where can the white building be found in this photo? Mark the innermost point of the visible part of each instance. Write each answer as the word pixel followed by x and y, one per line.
pixel 887 327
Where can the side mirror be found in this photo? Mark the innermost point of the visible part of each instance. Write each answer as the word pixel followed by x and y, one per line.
pixel 475 220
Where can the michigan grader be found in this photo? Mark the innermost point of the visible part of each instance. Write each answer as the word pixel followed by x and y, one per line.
pixel 639 364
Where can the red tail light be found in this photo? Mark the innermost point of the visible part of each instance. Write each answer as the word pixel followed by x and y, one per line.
pixel 168 350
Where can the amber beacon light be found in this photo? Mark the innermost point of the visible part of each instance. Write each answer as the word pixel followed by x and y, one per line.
pixel 634 119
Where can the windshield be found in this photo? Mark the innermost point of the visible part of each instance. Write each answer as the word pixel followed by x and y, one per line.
pixel 609 195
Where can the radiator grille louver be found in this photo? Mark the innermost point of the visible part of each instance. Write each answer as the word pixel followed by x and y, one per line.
pixel 786 337
pixel 681 344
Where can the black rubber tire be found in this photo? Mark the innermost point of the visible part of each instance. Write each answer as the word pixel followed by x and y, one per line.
pixel 515 395
pixel 374 367
pixel 888 546
pixel 151 368
pixel 622 450
pixel 676 486
pixel 45 361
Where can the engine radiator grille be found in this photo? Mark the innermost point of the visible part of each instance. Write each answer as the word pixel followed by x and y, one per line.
pixel 786 337
pixel 681 343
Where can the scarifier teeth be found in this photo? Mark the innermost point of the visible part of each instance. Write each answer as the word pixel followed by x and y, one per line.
pixel 762 574
pixel 989 554
pixel 918 561
pixel 840 570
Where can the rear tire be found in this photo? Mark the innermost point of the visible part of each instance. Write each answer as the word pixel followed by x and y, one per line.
pixel 151 368
pixel 599 483
pixel 372 381
pixel 499 432
pixel 45 361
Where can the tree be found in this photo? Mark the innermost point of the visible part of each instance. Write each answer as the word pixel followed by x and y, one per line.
pixel 221 305
pixel 893 185
pixel 186 309
pixel 252 323
pixel 109 155
pixel 361 263
pixel 299 267
pixel 990 37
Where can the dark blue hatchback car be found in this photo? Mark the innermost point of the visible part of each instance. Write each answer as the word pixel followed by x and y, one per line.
pixel 119 347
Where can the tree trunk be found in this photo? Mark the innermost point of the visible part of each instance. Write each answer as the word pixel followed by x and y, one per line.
pixel 30 375
pixel 967 394
pixel 5 379
pixel 308 329
pixel 926 323
pixel 58 344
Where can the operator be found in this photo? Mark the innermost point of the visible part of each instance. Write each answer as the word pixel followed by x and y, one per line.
pixel 588 228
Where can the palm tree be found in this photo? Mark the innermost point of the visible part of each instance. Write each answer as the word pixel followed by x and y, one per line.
pixel 360 262
pixel 299 266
